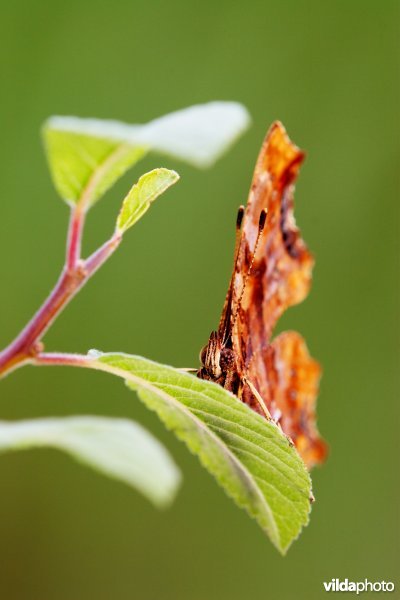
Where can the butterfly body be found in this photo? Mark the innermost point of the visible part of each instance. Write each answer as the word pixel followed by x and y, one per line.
pixel 272 271
pixel 219 365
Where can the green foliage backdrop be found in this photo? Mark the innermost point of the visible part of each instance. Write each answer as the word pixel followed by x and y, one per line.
pixel 329 71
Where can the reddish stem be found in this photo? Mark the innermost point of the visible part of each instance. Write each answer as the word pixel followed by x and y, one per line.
pixel 61 359
pixel 27 343
pixel 100 256
pixel 76 225
pixel 75 274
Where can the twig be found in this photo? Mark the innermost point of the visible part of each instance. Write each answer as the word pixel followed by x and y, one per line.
pixel 75 273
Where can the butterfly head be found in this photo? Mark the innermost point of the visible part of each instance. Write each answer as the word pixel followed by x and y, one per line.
pixel 210 357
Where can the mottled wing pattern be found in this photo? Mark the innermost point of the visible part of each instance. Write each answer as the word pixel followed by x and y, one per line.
pixel 292 379
pixel 283 373
pixel 281 271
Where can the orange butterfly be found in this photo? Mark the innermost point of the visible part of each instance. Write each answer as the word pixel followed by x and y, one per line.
pixel 272 271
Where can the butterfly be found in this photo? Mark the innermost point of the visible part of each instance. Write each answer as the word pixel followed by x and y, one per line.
pixel 272 271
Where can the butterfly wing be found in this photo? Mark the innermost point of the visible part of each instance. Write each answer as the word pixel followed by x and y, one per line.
pixel 281 271
pixel 282 372
pixel 293 378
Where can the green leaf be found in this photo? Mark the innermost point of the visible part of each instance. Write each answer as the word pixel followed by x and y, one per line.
pixel 84 167
pixel 87 156
pixel 143 193
pixel 118 448
pixel 249 456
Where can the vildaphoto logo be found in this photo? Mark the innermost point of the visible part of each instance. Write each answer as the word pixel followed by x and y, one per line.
pixel 336 585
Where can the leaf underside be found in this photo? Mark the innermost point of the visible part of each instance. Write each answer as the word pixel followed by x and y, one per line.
pixel 249 456
pixel 87 156
pixel 119 448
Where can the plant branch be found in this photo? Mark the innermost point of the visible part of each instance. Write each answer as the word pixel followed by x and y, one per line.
pixel 74 240
pixel 61 359
pixel 74 276
pixel 99 257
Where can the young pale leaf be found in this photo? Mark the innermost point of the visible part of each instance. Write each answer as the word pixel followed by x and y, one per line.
pixel 118 448
pixel 84 167
pixel 250 457
pixel 143 193
pixel 86 156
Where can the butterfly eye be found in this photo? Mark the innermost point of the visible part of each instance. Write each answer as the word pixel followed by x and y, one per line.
pixel 203 355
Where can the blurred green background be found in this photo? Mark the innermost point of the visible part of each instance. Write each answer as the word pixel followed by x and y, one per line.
pixel 329 71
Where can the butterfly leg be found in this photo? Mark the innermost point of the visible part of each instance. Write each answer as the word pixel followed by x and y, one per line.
pixel 259 399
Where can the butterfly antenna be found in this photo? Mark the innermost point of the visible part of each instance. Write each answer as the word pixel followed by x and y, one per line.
pixel 225 322
pixel 261 225
pixel 239 219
